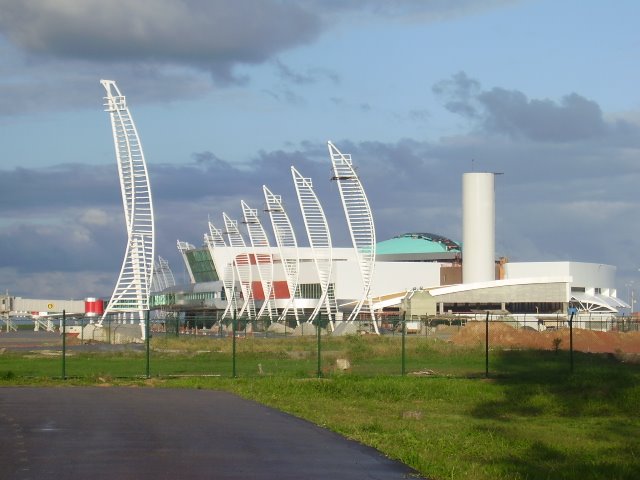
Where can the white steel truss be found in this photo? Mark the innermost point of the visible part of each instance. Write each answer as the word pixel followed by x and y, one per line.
pixel 287 247
pixel 183 248
pixel 242 264
pixel 360 221
pixel 319 235
pixel 162 276
pixel 226 272
pixel 264 261
pixel 131 293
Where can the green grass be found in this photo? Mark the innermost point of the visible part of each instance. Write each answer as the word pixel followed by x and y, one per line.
pixel 531 419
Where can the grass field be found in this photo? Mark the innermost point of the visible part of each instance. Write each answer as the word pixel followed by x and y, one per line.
pixel 531 419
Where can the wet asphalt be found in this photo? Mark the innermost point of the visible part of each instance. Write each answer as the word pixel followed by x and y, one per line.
pixel 142 433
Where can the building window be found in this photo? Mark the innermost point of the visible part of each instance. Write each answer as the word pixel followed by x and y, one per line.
pixel 201 265
pixel 309 290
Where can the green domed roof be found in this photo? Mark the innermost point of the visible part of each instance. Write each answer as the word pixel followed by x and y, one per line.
pixel 416 243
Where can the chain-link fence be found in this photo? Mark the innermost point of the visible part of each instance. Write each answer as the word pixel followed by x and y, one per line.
pixel 209 346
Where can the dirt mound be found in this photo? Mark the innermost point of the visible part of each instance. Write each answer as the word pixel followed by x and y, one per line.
pixel 506 336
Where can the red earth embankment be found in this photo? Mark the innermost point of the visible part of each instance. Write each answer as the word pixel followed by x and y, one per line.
pixel 506 336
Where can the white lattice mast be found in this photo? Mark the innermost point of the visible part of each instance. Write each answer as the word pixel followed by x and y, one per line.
pixel 360 221
pixel 262 254
pixel 167 273
pixel 242 264
pixel 226 271
pixel 162 276
pixel 131 293
pixel 183 248
pixel 319 235
pixel 287 247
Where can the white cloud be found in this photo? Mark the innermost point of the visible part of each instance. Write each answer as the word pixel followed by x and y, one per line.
pixel 94 216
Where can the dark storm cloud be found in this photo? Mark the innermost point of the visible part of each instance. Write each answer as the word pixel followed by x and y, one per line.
pixel 512 113
pixel 69 218
pixel 24 189
pixel 213 35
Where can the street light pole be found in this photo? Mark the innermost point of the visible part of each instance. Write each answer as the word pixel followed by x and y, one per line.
pixel 631 295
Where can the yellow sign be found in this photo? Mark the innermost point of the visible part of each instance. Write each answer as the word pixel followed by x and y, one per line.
pixel 50 306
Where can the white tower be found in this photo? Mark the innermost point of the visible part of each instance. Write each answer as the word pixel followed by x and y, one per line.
pixel 478 227
pixel 131 293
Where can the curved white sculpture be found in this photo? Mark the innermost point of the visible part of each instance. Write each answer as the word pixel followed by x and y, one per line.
pixel 183 248
pixel 319 235
pixel 162 276
pixel 287 247
pixel 360 221
pixel 226 272
pixel 131 293
pixel 263 258
pixel 242 263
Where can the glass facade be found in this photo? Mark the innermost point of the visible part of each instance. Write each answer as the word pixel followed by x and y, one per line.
pixel 201 265
pixel 184 298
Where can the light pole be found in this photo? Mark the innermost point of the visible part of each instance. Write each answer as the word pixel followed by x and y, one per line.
pixel 631 295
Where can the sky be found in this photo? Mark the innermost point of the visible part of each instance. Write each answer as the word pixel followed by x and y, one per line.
pixel 228 95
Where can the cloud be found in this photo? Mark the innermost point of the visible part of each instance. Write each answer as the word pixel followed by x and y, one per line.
pixel 164 50
pixel 573 118
pixel 44 87
pixel 213 35
pixel 512 113
pixel 94 216
pixel 411 11
pixel 459 92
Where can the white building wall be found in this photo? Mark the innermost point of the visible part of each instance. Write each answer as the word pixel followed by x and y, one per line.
pixel 592 276
pixel 28 305
pixel 348 280
pixel 389 277
pixel 392 277
pixel 583 275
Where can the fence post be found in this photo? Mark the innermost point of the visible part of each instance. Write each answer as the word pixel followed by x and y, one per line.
pixel 404 334
pixel 486 346
pixel 571 342
pixel 319 352
pixel 146 335
pixel 64 344
pixel 233 344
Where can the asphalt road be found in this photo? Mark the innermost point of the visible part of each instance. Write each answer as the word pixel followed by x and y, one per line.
pixel 93 433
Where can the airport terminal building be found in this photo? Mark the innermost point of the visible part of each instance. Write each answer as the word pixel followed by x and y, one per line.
pixel 413 274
